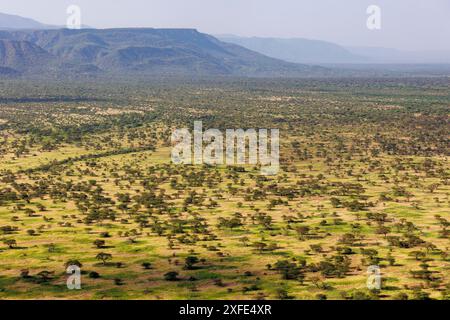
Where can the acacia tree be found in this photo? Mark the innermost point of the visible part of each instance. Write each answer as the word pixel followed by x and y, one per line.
pixel 103 257
pixel 11 243
pixel 190 262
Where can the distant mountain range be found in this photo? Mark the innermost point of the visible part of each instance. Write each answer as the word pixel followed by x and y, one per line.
pixel 30 48
pixel 9 21
pixel 14 22
pixel 297 50
pixel 300 50
pixel 136 52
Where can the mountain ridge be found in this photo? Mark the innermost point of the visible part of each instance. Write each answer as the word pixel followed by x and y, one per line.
pixel 22 55
pixel 11 22
pixel 147 51
pixel 296 50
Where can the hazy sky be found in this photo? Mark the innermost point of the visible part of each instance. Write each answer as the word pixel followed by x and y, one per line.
pixel 406 24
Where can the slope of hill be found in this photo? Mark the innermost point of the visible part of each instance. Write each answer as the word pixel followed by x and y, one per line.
pixel 297 50
pixel 22 55
pixel 9 21
pixel 8 72
pixel 145 51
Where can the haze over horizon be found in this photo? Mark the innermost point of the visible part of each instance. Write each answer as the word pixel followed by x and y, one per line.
pixel 323 20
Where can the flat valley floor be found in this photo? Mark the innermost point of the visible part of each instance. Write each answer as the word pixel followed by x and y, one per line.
pixel 86 179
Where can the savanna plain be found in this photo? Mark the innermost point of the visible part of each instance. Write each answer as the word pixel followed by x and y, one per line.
pixel 86 179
